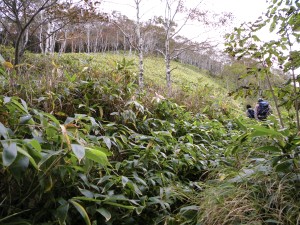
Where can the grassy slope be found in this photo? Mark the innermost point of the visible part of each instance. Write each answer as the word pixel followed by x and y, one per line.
pixel 198 90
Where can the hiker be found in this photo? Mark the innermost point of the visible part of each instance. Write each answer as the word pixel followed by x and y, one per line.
pixel 262 109
pixel 250 112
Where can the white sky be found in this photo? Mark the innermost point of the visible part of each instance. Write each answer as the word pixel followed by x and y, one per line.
pixel 242 10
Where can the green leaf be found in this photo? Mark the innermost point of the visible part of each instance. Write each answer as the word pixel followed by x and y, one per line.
pixel 23 152
pixel 285 166
pixel 273 24
pixel 3 131
pixel 262 131
pixel 86 193
pixel 125 180
pixel 241 125
pixel 107 142
pixel 120 205
pixel 9 152
pixel 52 118
pixel 15 102
pixel 24 104
pixel 139 179
pixel 36 145
pixel 139 209
pixel 48 155
pixel 82 198
pixel 81 210
pixel 48 184
pixel 97 156
pixel 269 148
pixel 78 150
pixel 62 212
pixel 25 119
pixel 104 213
pixel 19 166
pixel 255 38
pixel 189 137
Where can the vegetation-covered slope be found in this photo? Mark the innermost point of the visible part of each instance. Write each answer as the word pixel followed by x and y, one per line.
pixel 83 146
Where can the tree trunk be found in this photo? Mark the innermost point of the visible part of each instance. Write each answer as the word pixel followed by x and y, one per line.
pixel 140 46
pixel 296 100
pixel 275 100
pixel 88 38
pixel 168 64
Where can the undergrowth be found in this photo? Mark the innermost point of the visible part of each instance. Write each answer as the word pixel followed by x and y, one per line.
pixel 81 145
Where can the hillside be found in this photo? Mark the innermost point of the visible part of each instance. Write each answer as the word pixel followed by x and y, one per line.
pixel 192 86
pixel 80 144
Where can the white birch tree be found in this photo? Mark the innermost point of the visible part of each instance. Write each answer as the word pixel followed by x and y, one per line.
pixel 174 9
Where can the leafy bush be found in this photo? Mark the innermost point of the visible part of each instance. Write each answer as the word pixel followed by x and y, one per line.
pixel 79 145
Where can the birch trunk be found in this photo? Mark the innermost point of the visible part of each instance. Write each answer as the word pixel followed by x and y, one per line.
pixel 140 45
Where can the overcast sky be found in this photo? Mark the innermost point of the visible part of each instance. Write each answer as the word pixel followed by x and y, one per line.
pixel 243 11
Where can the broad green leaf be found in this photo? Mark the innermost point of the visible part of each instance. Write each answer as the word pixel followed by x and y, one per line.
pixel 163 133
pixel 82 211
pixel 269 148
pixel 285 166
pixel 97 156
pixel 189 137
pixel 136 189
pixel 21 107
pixel 104 213
pixel 101 149
pixel 9 152
pixel 36 145
pixel 107 141
pixel 83 198
pixel 62 212
pixel 255 38
pixel 120 205
pixel 79 151
pixel 52 118
pixel 107 187
pixel 241 125
pixel 25 119
pixel 116 198
pixel 93 122
pixel 24 104
pixel 48 184
pixel 23 152
pixel 19 166
pixel 138 179
pixel 261 131
pixel 125 180
pixel 139 209
pixel 48 155
pixel 3 131
pixel 86 193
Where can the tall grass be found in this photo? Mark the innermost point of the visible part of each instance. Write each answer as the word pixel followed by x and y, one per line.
pixel 192 87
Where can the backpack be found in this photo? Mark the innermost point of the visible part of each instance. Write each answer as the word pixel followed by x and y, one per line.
pixel 263 110
pixel 251 113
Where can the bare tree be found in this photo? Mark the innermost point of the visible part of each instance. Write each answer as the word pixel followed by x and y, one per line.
pixel 137 42
pixel 140 46
pixel 22 14
pixel 173 9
